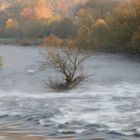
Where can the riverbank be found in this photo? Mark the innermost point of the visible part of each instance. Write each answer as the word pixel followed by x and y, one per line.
pixel 10 135
pixel 21 41
pixel 13 136
pixel 5 135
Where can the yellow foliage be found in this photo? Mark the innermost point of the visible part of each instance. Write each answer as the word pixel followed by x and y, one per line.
pixel 10 23
pixel 82 33
pixel 3 6
pixel 55 45
pixel 26 12
pixel 87 17
pixel 121 11
pixel 53 41
pixel 126 11
pixel 136 36
pixel 100 22
pixel 70 44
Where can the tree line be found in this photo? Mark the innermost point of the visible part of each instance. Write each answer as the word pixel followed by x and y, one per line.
pixel 101 25
pixel 108 25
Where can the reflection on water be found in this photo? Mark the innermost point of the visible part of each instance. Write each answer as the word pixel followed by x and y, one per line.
pixel 108 104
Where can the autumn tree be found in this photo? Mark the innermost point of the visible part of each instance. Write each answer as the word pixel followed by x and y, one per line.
pixel 109 25
pixel 125 26
pixel 43 10
pixel 66 59
pixel 93 29
pixel 85 19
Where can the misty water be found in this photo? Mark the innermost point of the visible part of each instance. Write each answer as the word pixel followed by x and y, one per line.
pixel 106 105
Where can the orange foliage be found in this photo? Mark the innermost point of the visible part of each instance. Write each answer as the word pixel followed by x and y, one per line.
pixel 100 23
pixel 43 10
pixel 53 41
pixel 26 12
pixel 136 36
pixel 3 6
pixel 70 44
pixel 128 11
pixel 10 23
pixel 54 44
pixel 135 2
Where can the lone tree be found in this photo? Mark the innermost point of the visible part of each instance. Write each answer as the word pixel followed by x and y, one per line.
pixel 68 60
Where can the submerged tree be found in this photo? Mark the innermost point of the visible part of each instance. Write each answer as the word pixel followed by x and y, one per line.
pixel 68 60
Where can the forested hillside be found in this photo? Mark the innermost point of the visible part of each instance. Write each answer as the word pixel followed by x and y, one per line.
pixel 35 18
pixel 104 25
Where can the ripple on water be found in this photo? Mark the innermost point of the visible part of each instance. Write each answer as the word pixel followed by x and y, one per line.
pixel 113 109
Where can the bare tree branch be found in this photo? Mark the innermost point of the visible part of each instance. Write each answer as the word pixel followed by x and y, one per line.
pixel 67 61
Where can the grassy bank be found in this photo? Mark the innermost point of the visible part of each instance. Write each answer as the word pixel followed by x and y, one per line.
pixel 21 41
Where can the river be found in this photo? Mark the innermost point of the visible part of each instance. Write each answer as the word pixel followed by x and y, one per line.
pixel 106 105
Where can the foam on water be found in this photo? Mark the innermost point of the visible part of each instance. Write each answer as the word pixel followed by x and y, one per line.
pixel 109 101
pixel 112 108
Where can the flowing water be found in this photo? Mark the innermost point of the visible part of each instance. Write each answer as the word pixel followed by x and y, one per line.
pixel 105 105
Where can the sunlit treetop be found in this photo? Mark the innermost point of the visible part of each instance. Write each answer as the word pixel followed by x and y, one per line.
pixel 3 6
pixel 43 10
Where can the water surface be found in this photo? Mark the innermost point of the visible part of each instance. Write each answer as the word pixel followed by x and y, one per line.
pixel 105 105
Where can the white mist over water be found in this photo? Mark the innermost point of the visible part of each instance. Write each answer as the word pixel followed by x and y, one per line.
pixel 109 101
